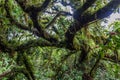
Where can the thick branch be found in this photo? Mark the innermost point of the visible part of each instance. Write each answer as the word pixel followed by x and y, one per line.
pixel 33 43
pixel 85 19
pixel 37 9
pixel 39 32
pixel 39 43
pixel 33 13
pixel 42 33
pixel 81 10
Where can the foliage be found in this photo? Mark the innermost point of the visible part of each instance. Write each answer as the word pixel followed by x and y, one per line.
pixel 58 40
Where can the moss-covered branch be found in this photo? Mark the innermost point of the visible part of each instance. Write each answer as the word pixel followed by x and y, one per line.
pixel 33 43
pixel 83 20
pixel 29 8
pixel 34 15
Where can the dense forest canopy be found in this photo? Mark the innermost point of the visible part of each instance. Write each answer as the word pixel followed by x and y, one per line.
pixel 58 40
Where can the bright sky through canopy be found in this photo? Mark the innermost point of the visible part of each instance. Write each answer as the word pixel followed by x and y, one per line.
pixel 112 18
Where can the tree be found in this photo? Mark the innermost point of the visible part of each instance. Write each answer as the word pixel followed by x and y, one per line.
pixel 26 25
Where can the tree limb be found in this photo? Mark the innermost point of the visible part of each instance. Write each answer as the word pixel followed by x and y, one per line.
pixel 33 43
pixel 35 8
pixel 85 19
pixel 39 32
pixel 81 10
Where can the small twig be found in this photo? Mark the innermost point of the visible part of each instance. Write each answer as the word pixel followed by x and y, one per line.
pixel 53 20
